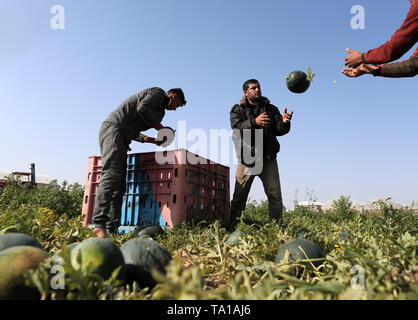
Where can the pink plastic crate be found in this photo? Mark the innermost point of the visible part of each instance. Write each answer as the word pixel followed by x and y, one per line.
pixel 94 171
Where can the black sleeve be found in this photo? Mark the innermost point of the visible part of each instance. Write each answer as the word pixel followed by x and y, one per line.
pixel 402 69
pixel 280 127
pixel 238 121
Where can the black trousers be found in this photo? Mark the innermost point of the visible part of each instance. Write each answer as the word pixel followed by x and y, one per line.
pixel 112 184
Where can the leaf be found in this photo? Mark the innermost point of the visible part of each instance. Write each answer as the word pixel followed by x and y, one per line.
pixel 9 229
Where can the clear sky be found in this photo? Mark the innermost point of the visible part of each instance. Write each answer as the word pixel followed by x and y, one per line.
pixel 353 137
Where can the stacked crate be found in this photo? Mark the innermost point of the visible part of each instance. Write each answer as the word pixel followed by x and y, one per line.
pixel 166 188
pixel 94 171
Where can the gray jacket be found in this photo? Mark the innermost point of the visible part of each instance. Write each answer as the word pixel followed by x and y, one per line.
pixel 140 112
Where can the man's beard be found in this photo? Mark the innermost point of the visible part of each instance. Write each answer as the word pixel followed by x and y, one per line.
pixel 254 99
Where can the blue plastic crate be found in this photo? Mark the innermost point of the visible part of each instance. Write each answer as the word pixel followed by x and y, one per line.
pixel 139 206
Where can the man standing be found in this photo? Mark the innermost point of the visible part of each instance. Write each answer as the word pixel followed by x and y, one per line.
pixel 403 40
pixel 254 112
pixel 140 112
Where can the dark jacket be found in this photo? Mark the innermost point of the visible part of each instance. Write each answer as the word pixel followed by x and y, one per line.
pixel 241 118
pixel 407 68
pixel 140 112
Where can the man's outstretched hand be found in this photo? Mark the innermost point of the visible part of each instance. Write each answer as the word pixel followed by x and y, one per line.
pixel 354 58
pixel 359 71
pixel 287 116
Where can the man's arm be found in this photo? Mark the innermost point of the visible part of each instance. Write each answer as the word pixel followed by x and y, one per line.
pixel 403 69
pixel 150 107
pixel 239 122
pixel 403 40
pixel 145 139
pixel 282 127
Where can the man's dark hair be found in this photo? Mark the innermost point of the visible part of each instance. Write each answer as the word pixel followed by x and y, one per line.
pixel 247 84
pixel 180 94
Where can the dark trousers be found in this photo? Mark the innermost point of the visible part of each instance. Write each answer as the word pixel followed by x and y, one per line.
pixel 112 184
pixel 271 182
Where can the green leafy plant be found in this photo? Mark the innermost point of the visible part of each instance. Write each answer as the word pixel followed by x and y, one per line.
pixel 309 74
pixel 206 266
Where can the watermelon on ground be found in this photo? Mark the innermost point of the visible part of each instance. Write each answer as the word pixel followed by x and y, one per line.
pixel 141 256
pixel 57 258
pixel 9 240
pixel 234 237
pixel 300 249
pixel 14 262
pixel 151 231
pixel 101 255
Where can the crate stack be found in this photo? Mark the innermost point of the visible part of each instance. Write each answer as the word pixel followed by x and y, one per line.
pixel 166 188
pixel 94 171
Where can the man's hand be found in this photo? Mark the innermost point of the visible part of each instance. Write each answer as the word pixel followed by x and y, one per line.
pixel 165 136
pixel 359 71
pixel 148 139
pixel 262 120
pixel 159 143
pixel 354 58
pixel 287 116
pixel 154 141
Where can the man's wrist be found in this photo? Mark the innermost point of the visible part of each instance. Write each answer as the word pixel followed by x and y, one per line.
pixel 363 57
pixel 254 123
pixel 378 71
pixel 149 140
pixel 158 126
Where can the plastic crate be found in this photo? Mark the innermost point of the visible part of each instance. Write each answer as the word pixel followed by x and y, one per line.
pixel 167 194
pixel 94 170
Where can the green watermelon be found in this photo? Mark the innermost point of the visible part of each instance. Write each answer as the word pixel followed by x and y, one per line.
pixel 234 237
pixel 101 254
pixel 14 262
pixel 9 240
pixel 312 250
pixel 297 82
pixel 151 231
pixel 141 256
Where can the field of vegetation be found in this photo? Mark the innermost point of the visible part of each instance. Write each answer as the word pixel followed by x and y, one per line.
pixel 367 256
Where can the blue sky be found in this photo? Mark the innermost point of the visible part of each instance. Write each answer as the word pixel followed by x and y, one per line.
pixel 356 137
